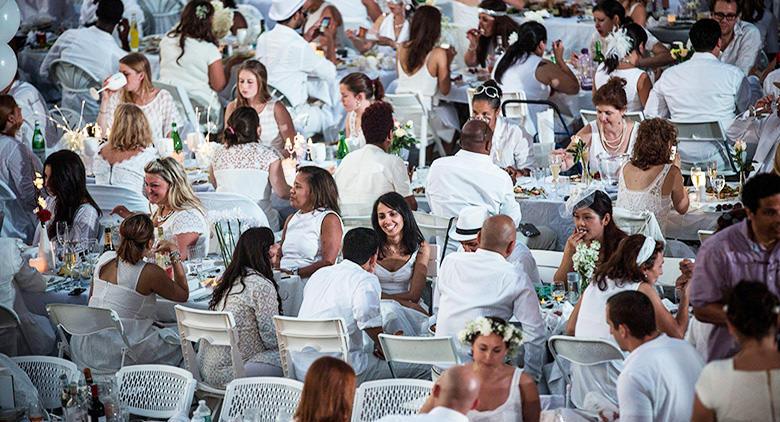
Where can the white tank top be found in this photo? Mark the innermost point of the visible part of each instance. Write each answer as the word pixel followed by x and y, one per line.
pixel 395 282
pixel 597 147
pixel 632 79
pixel 509 411
pixel 302 244
pixel 269 130
pixel 521 77
pixel 122 297
pixel 420 82
pixel 592 320
pixel 387 29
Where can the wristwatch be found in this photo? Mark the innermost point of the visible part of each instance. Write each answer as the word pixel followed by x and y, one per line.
pixel 294 271
pixel 175 257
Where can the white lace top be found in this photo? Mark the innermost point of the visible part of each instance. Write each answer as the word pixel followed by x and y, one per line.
pixel 184 221
pixel 127 173
pixel 253 308
pixel 160 113
pixel 395 282
pixel 356 138
pixel 649 198
pixel 510 411
pixel 244 156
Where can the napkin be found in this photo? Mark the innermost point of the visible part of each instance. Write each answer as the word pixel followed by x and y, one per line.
pixel 545 126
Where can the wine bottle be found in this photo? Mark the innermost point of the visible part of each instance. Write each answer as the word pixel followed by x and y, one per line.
pixel 177 145
pixel 39 143
pixel 342 149
pixel 135 42
pixel 108 242
pixel 73 410
pixel 96 413
pixel 88 377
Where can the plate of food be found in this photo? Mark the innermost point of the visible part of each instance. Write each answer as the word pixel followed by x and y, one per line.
pixel 728 192
pixel 529 192
pixel 721 207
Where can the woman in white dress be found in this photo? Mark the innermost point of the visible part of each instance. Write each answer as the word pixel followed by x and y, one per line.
pixel 512 146
pixel 121 160
pixel 494 24
pixel 69 201
pixel 636 265
pixel 247 289
pixel 252 91
pixel 329 37
pixel 753 374
pixel 506 392
pixel 248 167
pixel 358 91
pixel 157 104
pixel 624 48
pixel 652 180
pixel 125 283
pixel 402 265
pixel 388 30
pixel 611 133
pixel 174 206
pixel 311 238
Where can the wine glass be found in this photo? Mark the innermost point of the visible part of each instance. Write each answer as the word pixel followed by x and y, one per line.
pixel 558 294
pixel 718 183
pixel 195 255
pixel 712 172
pixel 62 232
pixel 555 166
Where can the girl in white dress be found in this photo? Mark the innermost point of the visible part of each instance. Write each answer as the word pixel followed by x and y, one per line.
pixel 636 265
pixel 389 30
pixel 358 91
pixel 402 265
pixel 276 125
pixel 506 392
pixel 248 167
pixel 121 161
pixel 623 50
pixel 126 284
pixel 311 238
pixel 174 205
pixel 157 104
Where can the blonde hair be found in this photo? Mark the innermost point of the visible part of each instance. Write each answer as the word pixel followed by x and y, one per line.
pixel 130 129
pixel 139 63
pixel 180 194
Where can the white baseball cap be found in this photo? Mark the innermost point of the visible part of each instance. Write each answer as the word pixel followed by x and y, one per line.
pixel 470 220
pixel 283 9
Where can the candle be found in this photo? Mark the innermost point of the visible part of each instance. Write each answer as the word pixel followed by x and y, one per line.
pixel 671 19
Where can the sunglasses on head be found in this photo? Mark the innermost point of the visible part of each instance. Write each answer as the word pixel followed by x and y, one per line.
pixel 490 91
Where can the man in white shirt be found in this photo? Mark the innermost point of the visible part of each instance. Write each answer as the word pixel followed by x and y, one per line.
pixel 659 375
pixel 351 291
pixel 470 178
pixel 92 49
pixel 454 394
pixel 291 61
pixel 33 106
pixel 467 231
pixel 371 171
pixel 88 17
pixel 740 41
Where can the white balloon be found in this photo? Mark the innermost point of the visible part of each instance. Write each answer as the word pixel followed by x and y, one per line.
pixel 10 18
pixel 7 65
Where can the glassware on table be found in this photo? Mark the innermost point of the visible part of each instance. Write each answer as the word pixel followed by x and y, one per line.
pixel 712 172
pixel 62 232
pixel 195 255
pixel 699 179
pixel 555 166
pixel 70 260
pixel 573 280
pixel 558 295
pixel 718 183
pixel 609 167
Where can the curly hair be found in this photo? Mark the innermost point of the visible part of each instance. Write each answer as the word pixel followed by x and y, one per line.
pixel 377 122
pixel 654 143
pixel 612 93
pixel 621 267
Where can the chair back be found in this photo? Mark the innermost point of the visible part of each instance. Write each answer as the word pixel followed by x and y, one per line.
pixel 422 350
pixel 279 96
pixel 433 227
pixel 671 269
pixel 513 110
pixel 109 196
pixel 302 335
pixel 216 327
pixel 72 77
pixel 220 205
pixel 638 223
pixel 182 100
pixel 701 143
pixel 377 399
pixel 160 15
pixel 6 196
pixel 235 181
pixel 355 215
pixel 411 107
pixel 547 262
pixel 173 390
pixel 582 351
pixel 275 398
pixel 45 373
pixel 434 261
pixel 705 234
pixel 590 115
pixel 508 104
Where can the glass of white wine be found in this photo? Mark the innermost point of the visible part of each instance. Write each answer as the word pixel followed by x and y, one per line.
pixel 718 183
pixel 712 172
pixel 699 179
pixel 555 166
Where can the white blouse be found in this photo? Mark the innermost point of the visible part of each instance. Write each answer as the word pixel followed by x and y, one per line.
pixel 189 220
pixel 128 173
pixel 749 396
pixel 302 243
pixel 512 145
pixel 161 112
pixel 191 71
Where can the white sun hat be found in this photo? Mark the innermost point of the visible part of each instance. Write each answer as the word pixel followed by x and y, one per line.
pixel 470 220
pixel 283 9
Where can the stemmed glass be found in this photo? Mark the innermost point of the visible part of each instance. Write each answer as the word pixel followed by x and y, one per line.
pixel 712 172
pixel 62 232
pixel 195 255
pixel 718 183
pixel 698 178
pixel 558 295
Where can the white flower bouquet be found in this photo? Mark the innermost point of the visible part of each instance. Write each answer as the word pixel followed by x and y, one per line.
pixel 585 258
pixel 403 137
pixel 485 327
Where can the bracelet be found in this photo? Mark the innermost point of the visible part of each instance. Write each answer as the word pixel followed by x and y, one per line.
pixel 175 257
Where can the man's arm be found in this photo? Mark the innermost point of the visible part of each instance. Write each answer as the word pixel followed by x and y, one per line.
pixel 749 48
pixel 656 104
pixel 509 204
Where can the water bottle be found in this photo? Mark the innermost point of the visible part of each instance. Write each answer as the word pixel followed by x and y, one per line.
pixel 202 413
pixel 573 280
pixel 38 143
pixel 584 68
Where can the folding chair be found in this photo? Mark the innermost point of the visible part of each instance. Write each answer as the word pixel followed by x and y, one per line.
pixel 704 235
pixel 10 321
pixel 434 227
pixel 319 336
pixel 45 373
pixel 508 104
pixel 183 103
pixel 356 215
pixel 275 398
pixel 547 262
pixel 410 107
pixel 279 96
pixel 422 350
pixel 72 77
pixel 703 142
pixel 513 111
pixel 376 399
pixel 161 15
pixel 173 390
pixel 590 115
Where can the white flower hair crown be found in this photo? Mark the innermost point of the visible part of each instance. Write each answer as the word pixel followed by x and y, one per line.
pixel 512 38
pixel 484 327
pixel 201 11
pixel 619 44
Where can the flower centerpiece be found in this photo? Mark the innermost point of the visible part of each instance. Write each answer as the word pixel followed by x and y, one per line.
pixel 579 150
pixel 45 259
pixel 681 53
pixel 222 20
pixel 744 167
pixel 403 138
pixel 485 327
pixel 585 258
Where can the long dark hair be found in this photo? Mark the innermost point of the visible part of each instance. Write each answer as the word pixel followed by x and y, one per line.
pixel 251 255
pixel 752 309
pixel 241 127
pixel 612 8
pixel 191 26
pixel 502 27
pixel 752 10
pixel 322 188
pixel 424 33
pixel 411 236
pixel 68 180
pixel 530 34
pixel 602 206
pixel 622 267
pixel 638 38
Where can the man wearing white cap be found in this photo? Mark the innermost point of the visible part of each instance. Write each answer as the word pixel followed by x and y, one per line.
pixel 290 62
pixel 491 278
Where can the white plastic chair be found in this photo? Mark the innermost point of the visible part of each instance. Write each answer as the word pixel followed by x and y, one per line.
pixel 10 322
pixel 355 215
pixel 638 223
pixel 410 107
pixel 434 262
pixel 422 350
pixel 705 234
pixel 235 206
pixel 581 351
pixel 590 115
pixel 274 397
pixel 78 320
pixel 513 111
pixel 217 328
pixel 45 372
pixel 161 15
pixel 433 227
pixel 376 399
pixel 72 77
pixel 703 142
pixel 6 196
pixel 182 100
pixel 547 262
pixel 327 336
pixel 173 390
pixel 109 196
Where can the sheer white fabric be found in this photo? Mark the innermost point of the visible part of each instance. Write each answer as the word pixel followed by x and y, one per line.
pixel 356 138
pixel 253 306
pixel 510 411
pixel 127 173
pixel 597 146
pixel 189 220
pixel 161 112
pixel 751 396
pixel 149 344
pixel 650 198
pixel 632 78
pixel 302 245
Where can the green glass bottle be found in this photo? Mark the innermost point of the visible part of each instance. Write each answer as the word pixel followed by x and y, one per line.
pixel 598 56
pixel 342 149
pixel 177 145
pixel 39 143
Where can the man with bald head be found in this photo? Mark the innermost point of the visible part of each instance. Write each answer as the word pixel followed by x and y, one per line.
pixel 454 394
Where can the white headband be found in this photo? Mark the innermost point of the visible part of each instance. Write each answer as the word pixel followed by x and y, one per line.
pixel 618 44
pixel 493 13
pixel 646 252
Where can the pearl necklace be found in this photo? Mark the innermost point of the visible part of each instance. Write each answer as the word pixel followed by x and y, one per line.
pixel 610 146
pixel 164 218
